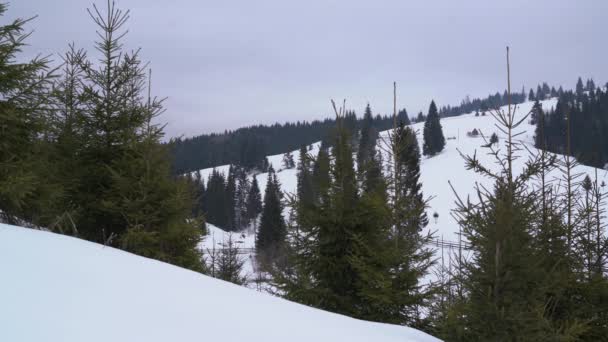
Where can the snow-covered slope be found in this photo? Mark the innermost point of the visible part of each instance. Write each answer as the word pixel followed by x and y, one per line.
pixel 58 288
pixel 447 166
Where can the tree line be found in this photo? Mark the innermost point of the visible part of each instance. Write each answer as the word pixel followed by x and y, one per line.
pixel 577 125
pixel 248 146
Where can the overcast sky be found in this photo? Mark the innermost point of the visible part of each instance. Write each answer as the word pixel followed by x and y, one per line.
pixel 229 63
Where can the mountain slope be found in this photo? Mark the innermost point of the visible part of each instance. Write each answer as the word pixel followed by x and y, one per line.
pixel 58 288
pixel 447 165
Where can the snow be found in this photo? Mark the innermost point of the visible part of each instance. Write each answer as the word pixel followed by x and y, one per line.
pixel 59 288
pixel 217 237
pixel 244 241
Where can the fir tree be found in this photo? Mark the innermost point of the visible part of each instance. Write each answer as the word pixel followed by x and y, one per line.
pixel 403 117
pixel 338 255
pixel 367 141
pixel 368 165
pixel 25 115
pixel 225 263
pixel 579 87
pixel 288 162
pixel 305 192
pixel 216 199
pixel 254 203
pixel 434 141
pixel 272 230
pixel 320 176
pixel 242 194
pixel 420 117
pixel 230 204
pixel 512 288
pixel 411 258
pixel 126 195
pixel 493 139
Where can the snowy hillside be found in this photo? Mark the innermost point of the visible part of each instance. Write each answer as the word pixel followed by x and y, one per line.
pixel 446 166
pixel 58 288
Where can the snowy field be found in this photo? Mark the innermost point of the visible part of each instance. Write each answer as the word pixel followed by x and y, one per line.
pixel 63 289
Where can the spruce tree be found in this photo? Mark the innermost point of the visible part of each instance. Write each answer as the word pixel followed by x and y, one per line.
pixel 434 141
pixel 216 199
pixel 403 117
pixel 367 140
pixel 230 204
pixel 305 194
pixel 25 115
pixel 338 258
pixel 514 288
pixel 241 195
pixel 272 230
pixel 288 162
pixel 126 195
pixel 225 263
pixel 420 117
pixel 579 87
pixel 254 203
pixel 411 258
pixel 368 165
pixel 320 176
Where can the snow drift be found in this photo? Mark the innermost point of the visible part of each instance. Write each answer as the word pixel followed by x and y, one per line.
pixel 58 288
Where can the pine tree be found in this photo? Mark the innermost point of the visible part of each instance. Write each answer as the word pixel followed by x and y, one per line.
pixel 579 87
pixel 411 258
pixel 216 199
pixel 288 162
pixel 254 203
pixel 225 263
pixel 512 289
pixel 531 96
pixel 320 176
pixel 493 139
pixel 25 115
pixel 230 204
pixel 125 192
pixel 272 230
pixel 420 117
pixel 242 194
pixel 265 165
pixel 538 115
pixel 157 209
pixel 337 255
pixel 305 194
pixel 434 141
pixel 368 167
pixel 367 140
pixel 403 117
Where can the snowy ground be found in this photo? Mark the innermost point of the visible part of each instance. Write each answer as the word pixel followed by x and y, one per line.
pixel 244 241
pixel 59 288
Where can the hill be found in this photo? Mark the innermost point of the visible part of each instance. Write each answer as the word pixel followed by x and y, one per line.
pixel 59 288
pixel 447 166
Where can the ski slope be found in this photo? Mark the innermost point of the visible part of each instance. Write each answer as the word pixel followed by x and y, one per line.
pixel 447 166
pixel 63 289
